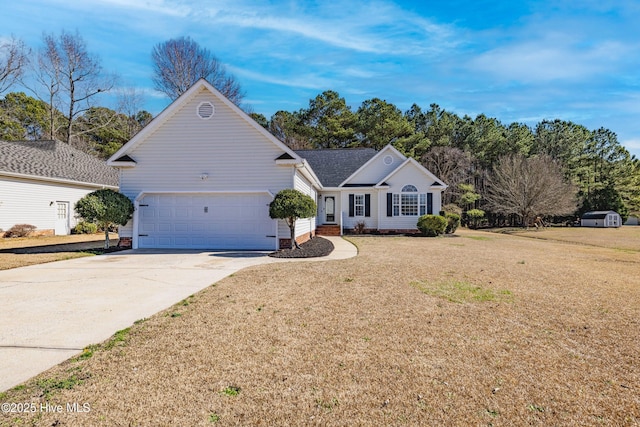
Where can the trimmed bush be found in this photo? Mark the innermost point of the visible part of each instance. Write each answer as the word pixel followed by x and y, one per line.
pixel 474 216
pixel 453 222
pixel 432 225
pixel 20 230
pixel 85 227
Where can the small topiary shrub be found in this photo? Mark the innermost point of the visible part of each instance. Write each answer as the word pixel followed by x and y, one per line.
pixel 475 216
pixel 453 222
pixel 20 230
pixel 85 227
pixel 432 225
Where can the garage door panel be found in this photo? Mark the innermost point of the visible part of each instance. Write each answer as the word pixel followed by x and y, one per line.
pixel 230 221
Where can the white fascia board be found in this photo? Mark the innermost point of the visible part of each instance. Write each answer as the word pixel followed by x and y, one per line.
pixel 58 180
pixel 371 160
pixel 420 168
pixel 121 164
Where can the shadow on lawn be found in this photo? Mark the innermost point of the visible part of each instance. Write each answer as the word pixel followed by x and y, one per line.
pixel 95 247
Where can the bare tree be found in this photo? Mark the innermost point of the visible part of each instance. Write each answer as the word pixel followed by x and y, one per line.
pixel 450 164
pixel 179 63
pixel 130 102
pixel 13 60
pixel 529 187
pixel 71 76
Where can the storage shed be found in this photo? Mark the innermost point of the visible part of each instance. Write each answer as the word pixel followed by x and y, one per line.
pixel 601 219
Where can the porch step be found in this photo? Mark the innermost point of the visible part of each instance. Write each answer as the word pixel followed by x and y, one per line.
pixel 328 230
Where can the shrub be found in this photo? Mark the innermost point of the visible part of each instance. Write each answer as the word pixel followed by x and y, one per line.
pixel 290 205
pixel 474 216
pixel 359 227
pixel 85 227
pixel 106 208
pixel 453 222
pixel 432 225
pixel 20 230
pixel 452 208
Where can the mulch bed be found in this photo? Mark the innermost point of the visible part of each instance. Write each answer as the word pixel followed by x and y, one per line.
pixel 316 247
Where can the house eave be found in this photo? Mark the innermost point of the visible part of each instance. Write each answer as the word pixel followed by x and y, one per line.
pixel 58 180
pixel 117 164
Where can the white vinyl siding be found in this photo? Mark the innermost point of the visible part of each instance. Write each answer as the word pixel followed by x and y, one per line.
pixel 350 222
pixel 234 155
pixel 377 169
pixel 25 201
pixel 303 225
pixel 407 208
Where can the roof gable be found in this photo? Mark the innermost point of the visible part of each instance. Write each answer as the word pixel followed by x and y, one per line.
pixel 54 160
pixel 410 162
pixel 180 102
pixel 385 161
pixel 333 166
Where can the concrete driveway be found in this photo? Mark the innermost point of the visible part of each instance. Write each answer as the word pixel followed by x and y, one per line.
pixel 50 312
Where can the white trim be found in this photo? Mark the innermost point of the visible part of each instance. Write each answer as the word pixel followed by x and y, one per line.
pixel 161 118
pixel 378 154
pixel 142 194
pixel 421 168
pixel 308 173
pixel 58 180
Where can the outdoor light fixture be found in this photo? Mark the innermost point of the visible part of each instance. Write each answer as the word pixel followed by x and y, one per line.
pixel 204 176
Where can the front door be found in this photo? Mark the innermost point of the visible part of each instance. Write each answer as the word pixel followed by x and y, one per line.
pixel 330 208
pixel 62 218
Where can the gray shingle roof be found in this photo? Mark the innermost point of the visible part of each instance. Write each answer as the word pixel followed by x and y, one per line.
pixel 332 167
pixel 54 159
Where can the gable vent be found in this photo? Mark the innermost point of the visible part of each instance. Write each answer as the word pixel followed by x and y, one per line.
pixel 205 110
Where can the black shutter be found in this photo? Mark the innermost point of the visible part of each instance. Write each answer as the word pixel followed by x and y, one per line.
pixel 389 204
pixel 367 205
pixel 351 204
pixel 430 203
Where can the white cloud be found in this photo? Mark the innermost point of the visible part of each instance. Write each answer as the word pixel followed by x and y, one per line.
pixel 305 81
pixel 157 6
pixel 631 144
pixel 550 58
pixel 369 27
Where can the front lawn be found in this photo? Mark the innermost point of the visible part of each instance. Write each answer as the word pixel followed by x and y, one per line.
pixel 476 329
pixel 23 251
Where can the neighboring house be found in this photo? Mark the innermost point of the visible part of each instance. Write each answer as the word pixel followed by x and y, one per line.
pixel 632 220
pixel 40 182
pixel 202 174
pixel 601 219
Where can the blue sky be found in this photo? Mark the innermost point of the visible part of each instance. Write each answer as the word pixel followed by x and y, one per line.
pixel 519 61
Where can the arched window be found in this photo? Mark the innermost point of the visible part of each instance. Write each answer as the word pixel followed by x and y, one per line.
pixel 409 202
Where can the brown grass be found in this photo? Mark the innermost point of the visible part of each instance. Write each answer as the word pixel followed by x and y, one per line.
pixel 367 341
pixel 12 260
pixel 623 238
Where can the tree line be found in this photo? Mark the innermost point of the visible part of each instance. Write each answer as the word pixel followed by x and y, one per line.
pixel 497 173
pixel 512 172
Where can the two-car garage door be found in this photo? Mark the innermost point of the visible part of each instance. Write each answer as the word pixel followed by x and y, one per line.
pixel 206 221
